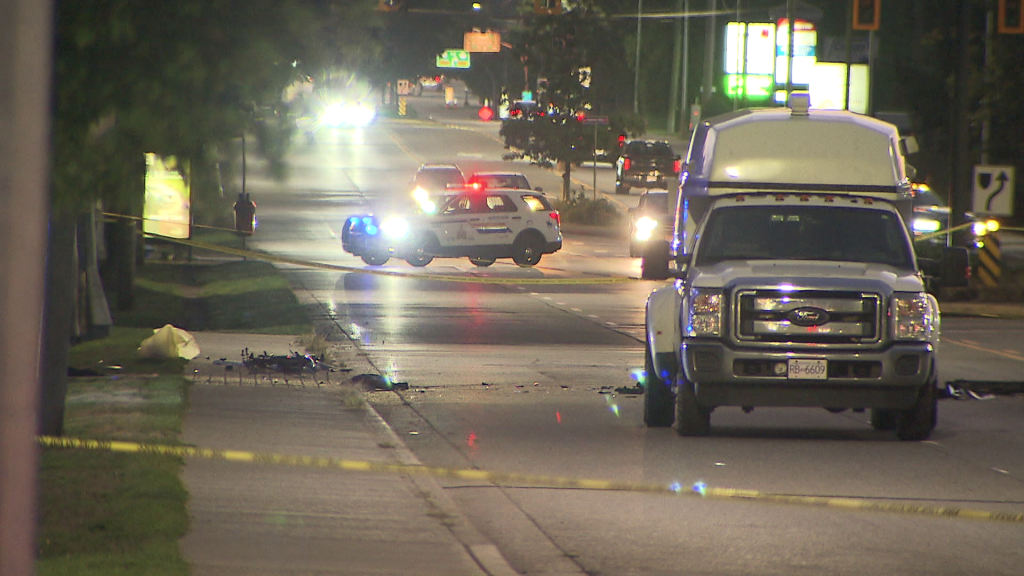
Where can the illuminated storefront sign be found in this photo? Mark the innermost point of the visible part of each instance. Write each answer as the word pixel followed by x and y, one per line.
pixel 168 202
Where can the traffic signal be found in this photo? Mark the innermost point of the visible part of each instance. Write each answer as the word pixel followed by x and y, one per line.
pixel 1011 17
pixel 867 14
pixel 547 7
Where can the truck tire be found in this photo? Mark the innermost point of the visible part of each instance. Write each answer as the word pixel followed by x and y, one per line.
pixel 692 419
pixel 917 422
pixel 659 404
pixel 883 419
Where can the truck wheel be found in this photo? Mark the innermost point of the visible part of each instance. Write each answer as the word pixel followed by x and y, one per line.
pixel 883 419
pixel 658 400
pixel 621 188
pixel 918 421
pixel 692 419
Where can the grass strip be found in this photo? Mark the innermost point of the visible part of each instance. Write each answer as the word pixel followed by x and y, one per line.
pixel 123 514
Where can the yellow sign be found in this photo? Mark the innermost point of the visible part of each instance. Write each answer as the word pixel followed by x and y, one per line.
pixel 481 42
pixel 168 203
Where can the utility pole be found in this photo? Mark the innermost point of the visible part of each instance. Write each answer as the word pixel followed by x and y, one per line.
pixel 961 181
pixel 636 67
pixel 25 69
pixel 677 55
pixel 709 59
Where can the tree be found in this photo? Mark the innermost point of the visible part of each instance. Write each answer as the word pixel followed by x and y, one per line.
pixel 582 66
pixel 183 78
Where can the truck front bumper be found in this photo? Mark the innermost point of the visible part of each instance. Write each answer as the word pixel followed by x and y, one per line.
pixel 887 378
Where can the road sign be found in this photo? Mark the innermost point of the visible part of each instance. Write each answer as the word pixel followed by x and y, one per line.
pixel 993 190
pixel 403 87
pixel 453 58
pixel 489 41
pixel 595 121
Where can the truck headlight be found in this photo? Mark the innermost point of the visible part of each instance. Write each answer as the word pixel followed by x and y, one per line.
pixel 645 227
pixel 705 312
pixel 911 317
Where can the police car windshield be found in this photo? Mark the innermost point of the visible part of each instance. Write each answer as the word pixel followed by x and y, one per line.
pixel 804 233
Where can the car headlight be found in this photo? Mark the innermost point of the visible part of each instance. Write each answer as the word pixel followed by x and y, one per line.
pixel 395 227
pixel 705 312
pixel 926 225
pixel 644 228
pixel 333 115
pixel 911 317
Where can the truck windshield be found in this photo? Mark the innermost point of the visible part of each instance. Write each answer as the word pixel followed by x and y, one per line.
pixel 804 233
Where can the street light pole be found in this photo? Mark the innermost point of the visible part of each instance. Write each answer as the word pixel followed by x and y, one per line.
pixel 636 68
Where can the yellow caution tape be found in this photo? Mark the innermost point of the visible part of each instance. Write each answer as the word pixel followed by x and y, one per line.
pixel 512 478
pixel 938 233
pixel 442 277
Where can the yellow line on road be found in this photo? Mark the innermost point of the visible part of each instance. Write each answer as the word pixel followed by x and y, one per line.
pixel 511 478
pixel 973 346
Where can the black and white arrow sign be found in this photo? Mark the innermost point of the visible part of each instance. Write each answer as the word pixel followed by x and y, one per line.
pixel 993 190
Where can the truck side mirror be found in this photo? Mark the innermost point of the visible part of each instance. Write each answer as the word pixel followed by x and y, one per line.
pixel 909 145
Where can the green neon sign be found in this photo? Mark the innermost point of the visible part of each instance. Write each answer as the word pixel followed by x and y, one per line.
pixel 750 86
pixel 453 58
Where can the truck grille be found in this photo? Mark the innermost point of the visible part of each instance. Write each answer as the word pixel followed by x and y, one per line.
pixel 810 316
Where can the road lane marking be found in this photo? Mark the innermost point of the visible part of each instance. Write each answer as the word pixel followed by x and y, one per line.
pixel 974 346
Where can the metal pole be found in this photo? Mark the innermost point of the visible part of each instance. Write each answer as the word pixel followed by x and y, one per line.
pixel 848 49
pixel 686 67
pixel 986 121
pixel 709 59
pixel 25 69
pixel 742 64
pixel 789 50
pixel 636 67
pixel 595 161
pixel 677 55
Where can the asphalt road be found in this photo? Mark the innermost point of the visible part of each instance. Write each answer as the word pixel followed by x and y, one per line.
pixel 533 379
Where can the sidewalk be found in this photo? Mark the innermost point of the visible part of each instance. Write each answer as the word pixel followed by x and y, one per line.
pixel 266 519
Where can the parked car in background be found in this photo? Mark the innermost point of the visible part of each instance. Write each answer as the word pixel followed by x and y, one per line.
pixel 649 220
pixel 646 164
pixel 512 180
pixel 431 185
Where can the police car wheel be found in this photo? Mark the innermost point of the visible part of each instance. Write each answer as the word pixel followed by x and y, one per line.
pixel 424 252
pixel 376 258
pixel 482 262
pixel 527 250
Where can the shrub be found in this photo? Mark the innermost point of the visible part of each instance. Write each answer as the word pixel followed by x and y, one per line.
pixel 580 209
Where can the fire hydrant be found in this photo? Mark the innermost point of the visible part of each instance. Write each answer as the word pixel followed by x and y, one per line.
pixel 245 214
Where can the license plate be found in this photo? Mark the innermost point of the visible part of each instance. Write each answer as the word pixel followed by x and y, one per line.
pixel 652 177
pixel 805 369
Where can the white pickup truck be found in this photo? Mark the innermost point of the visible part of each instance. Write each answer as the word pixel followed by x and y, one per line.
pixel 796 282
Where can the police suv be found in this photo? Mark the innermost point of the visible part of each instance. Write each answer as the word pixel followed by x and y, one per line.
pixel 796 282
pixel 475 222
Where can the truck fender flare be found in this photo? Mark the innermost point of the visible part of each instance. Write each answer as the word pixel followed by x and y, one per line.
pixel 662 327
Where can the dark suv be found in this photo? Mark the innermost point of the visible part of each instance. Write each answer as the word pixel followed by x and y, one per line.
pixel 646 164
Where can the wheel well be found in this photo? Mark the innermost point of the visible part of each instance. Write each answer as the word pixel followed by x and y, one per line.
pixel 530 233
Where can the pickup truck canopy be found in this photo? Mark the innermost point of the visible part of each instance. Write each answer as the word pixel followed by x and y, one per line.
pixel 775 149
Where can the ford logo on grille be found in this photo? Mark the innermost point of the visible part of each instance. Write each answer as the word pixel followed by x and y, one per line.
pixel 807 316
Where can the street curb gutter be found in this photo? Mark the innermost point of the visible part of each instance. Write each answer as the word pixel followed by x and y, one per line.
pixel 486 554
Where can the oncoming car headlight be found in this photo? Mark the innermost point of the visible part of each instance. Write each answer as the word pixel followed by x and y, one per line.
pixel 705 312
pixel 645 227
pixel 394 227
pixel 911 316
